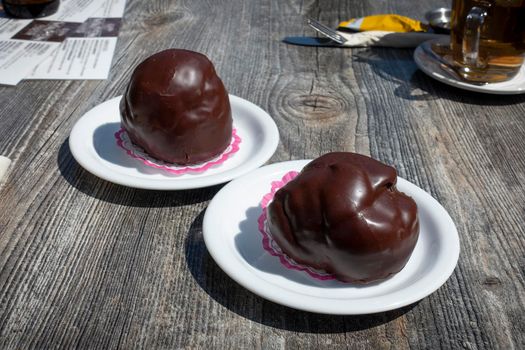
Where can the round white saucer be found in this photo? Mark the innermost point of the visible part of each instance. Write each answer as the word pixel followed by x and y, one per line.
pixel 92 143
pixel 431 65
pixel 233 239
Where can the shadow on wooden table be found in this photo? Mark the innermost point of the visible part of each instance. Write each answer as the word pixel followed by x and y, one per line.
pixel 398 67
pixel 239 300
pixel 93 186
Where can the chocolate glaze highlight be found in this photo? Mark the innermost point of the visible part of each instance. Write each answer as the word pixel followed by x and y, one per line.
pixel 343 214
pixel 177 108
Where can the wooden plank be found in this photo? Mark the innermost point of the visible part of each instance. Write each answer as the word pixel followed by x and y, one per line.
pixel 88 264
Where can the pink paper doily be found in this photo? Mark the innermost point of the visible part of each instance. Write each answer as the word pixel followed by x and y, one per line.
pixel 138 153
pixel 269 243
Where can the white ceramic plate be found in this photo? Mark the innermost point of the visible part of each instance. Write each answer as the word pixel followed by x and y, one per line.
pixel 232 237
pixel 93 145
pixel 430 65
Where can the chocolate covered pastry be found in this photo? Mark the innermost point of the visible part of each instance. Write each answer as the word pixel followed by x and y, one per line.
pixel 177 108
pixel 343 214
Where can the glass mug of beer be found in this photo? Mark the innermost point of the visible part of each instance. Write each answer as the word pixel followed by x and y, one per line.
pixel 30 8
pixel 487 40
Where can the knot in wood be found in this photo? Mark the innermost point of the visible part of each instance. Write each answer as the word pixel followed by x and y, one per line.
pixel 491 281
pixel 168 18
pixel 316 107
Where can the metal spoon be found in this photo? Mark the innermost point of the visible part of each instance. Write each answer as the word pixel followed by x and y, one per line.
pixel 439 20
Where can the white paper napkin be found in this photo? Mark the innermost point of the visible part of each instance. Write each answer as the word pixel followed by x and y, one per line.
pixel 4 165
pixel 387 39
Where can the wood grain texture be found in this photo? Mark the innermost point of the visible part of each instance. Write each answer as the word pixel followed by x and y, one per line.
pixel 92 265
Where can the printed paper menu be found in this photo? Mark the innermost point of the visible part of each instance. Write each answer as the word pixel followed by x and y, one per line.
pixel 78 42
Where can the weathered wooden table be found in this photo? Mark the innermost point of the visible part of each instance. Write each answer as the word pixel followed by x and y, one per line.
pixel 89 264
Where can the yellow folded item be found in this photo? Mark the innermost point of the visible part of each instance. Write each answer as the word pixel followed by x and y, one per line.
pixel 390 23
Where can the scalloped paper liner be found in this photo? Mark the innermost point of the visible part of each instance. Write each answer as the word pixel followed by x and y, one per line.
pixel 139 153
pixel 269 243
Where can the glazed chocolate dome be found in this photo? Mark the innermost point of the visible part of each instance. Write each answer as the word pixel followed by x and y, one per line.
pixel 176 108
pixel 343 214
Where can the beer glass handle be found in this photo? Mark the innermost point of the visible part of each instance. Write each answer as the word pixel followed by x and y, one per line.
pixel 472 35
